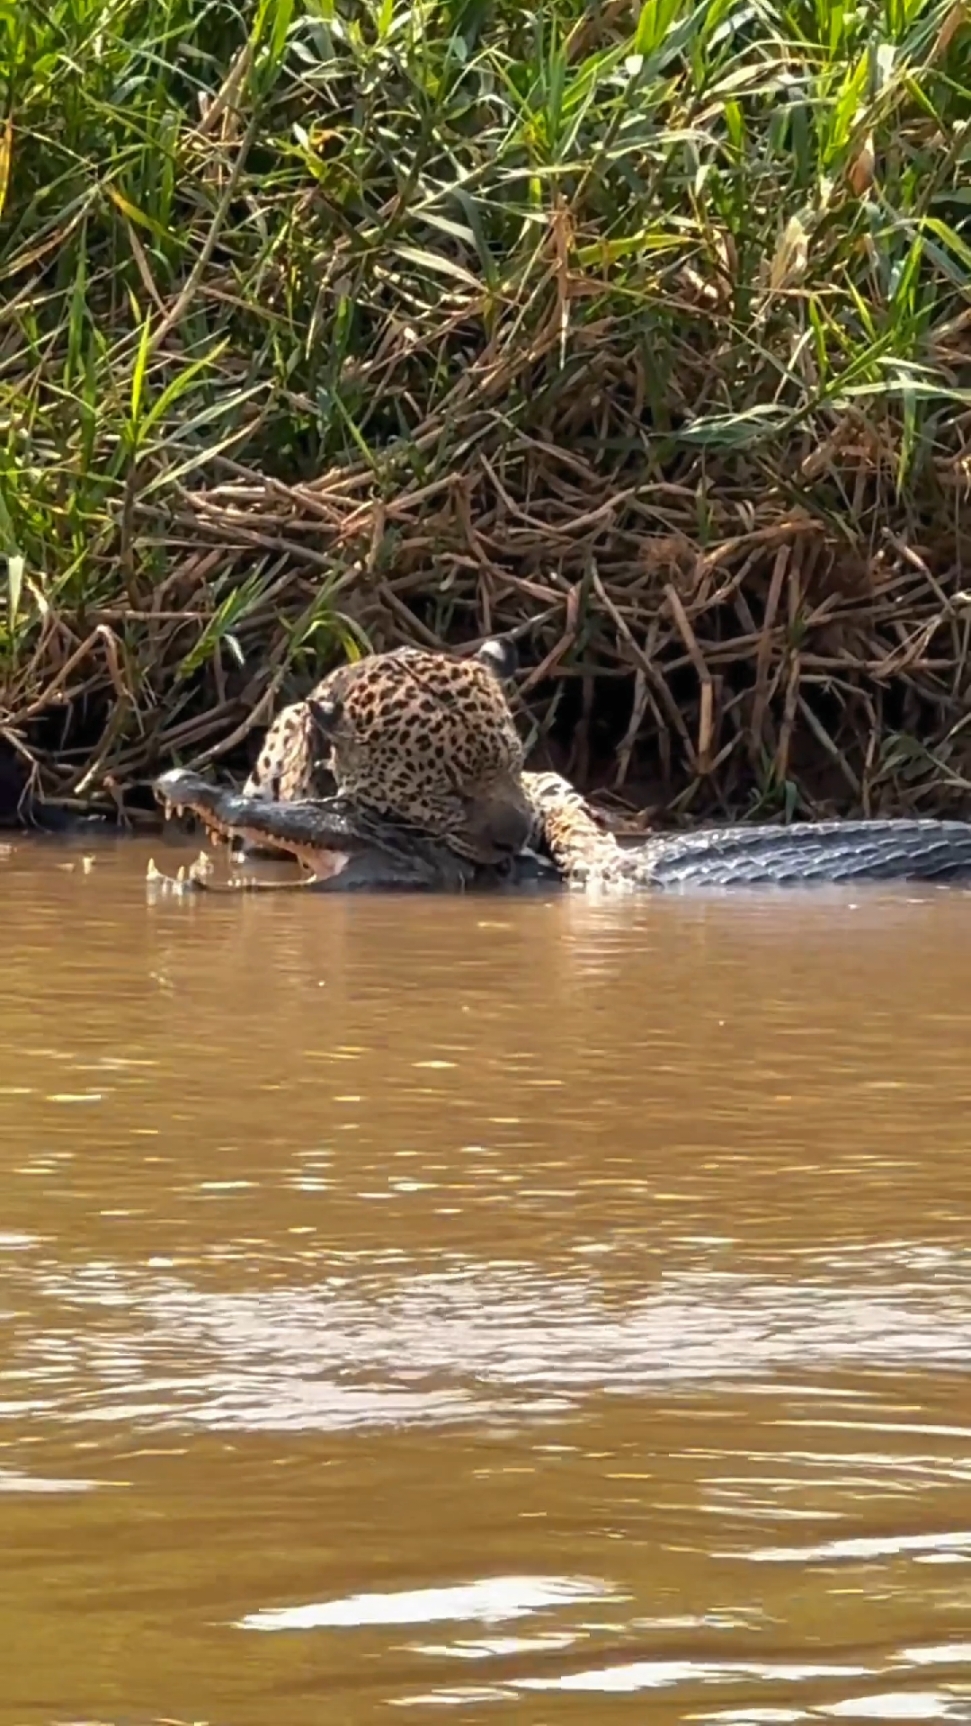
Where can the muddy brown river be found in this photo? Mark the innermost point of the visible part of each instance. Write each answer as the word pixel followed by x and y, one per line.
pixel 545 1311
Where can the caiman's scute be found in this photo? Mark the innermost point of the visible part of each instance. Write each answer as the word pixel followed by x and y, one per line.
pixel 345 848
pixel 419 737
pixel 807 853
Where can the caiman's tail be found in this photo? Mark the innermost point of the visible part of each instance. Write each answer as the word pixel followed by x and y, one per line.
pixel 805 854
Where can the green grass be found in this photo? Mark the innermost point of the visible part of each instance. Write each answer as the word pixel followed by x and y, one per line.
pixel 334 324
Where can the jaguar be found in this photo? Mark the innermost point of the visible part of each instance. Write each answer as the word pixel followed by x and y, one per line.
pixel 420 737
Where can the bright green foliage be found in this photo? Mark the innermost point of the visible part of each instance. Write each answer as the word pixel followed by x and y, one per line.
pixel 716 253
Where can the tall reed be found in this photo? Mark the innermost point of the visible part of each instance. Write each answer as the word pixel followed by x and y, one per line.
pixel 641 332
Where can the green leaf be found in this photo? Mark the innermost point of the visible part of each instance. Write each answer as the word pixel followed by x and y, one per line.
pixel 15 581
pixel 138 372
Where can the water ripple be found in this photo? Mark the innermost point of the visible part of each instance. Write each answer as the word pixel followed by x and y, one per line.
pixel 397 1345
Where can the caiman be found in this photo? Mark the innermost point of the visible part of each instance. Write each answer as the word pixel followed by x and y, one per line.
pixel 345 848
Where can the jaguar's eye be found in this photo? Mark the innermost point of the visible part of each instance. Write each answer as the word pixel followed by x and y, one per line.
pixel 326 715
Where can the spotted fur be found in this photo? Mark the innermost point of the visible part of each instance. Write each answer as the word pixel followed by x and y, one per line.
pixel 420 737
pixel 566 828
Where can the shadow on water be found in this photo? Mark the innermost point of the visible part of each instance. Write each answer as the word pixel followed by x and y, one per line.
pixel 547 1309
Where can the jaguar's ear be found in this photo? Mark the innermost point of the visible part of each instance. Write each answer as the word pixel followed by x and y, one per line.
pixel 326 715
pixel 500 654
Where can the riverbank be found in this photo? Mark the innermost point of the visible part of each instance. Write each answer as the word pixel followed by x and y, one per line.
pixel 642 337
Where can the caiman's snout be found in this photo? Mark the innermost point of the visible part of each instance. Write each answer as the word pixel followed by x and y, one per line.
pixel 179 789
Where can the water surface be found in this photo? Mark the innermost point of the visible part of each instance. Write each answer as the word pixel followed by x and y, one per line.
pixel 547 1309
